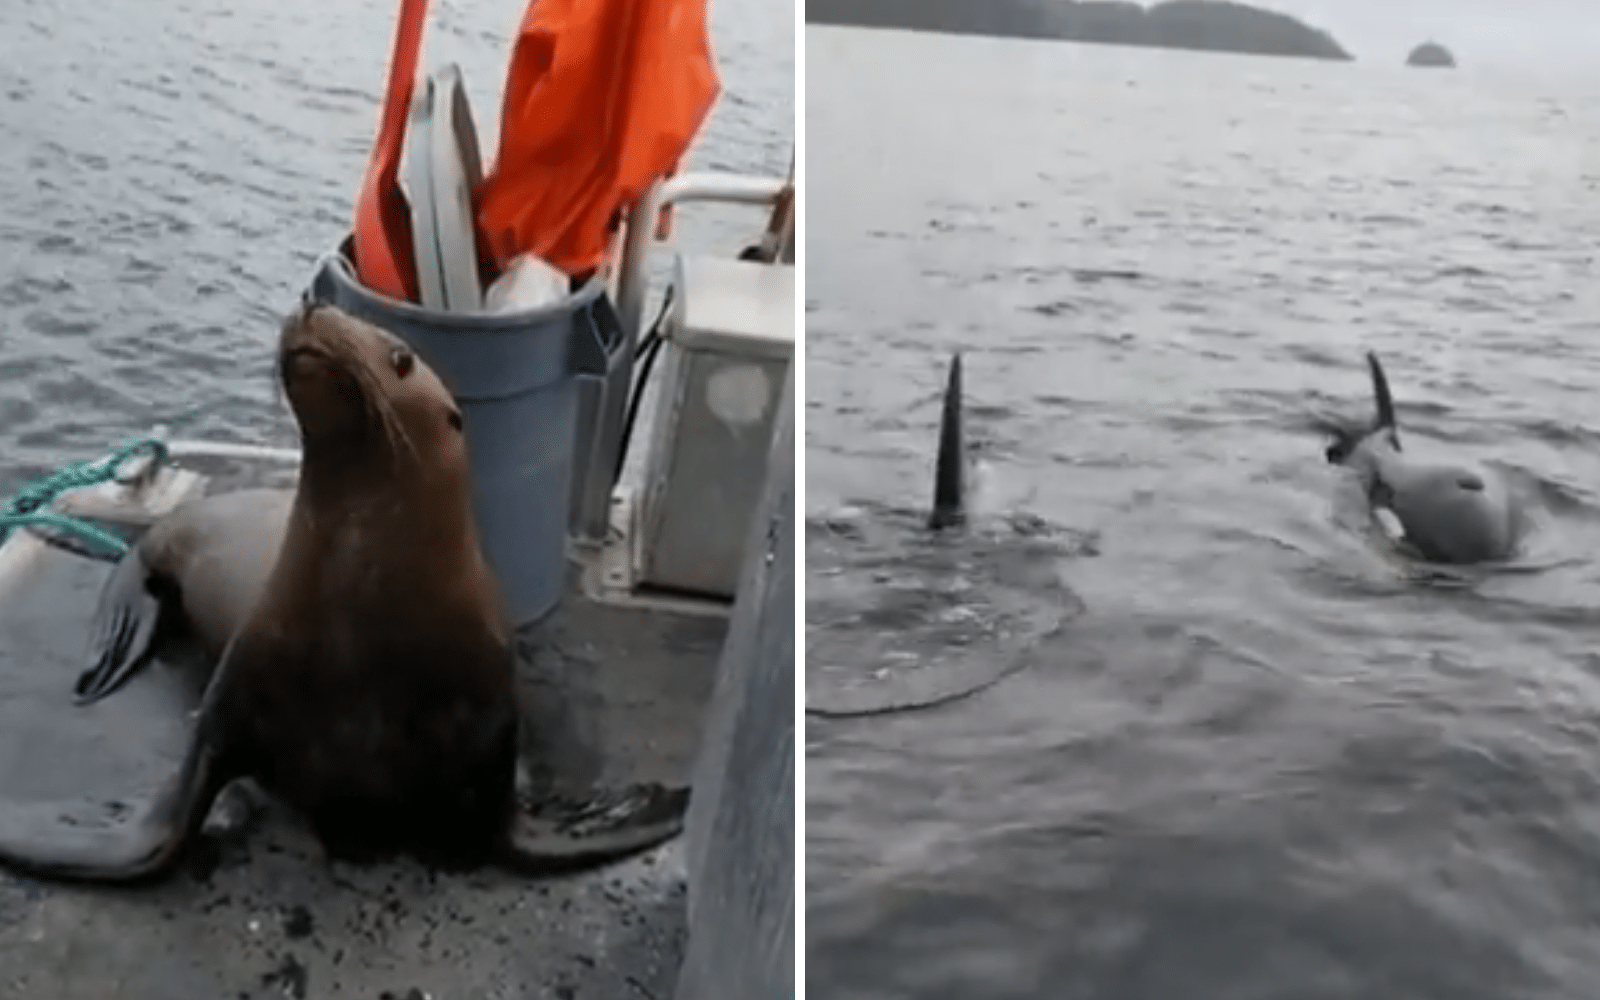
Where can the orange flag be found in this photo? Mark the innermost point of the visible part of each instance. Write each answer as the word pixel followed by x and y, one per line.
pixel 385 259
pixel 601 98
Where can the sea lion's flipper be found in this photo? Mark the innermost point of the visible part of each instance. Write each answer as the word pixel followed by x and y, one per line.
pixel 949 476
pixel 607 827
pixel 1380 395
pixel 125 623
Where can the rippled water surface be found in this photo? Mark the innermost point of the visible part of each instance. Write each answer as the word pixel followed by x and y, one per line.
pixel 171 169
pixel 1253 756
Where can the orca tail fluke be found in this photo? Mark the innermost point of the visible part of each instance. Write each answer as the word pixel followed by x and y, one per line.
pixel 949 477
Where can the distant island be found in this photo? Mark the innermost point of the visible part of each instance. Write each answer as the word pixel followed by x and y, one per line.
pixel 1431 54
pixel 1203 25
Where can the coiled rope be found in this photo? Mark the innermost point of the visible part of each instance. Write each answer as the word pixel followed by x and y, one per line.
pixel 30 505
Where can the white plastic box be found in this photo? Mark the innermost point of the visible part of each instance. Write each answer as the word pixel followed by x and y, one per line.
pixel 728 343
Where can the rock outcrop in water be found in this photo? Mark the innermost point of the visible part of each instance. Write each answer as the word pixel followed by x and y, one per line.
pixel 1205 25
pixel 1431 54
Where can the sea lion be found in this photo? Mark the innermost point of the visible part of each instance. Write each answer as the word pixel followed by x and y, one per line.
pixel 202 567
pixel 369 683
pixel 1446 513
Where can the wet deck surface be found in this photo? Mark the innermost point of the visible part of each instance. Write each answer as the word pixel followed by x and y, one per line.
pixel 613 695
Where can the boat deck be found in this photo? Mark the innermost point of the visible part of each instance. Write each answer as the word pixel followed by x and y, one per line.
pixel 613 694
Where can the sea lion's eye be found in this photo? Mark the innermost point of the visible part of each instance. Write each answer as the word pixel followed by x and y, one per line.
pixel 402 360
pixel 454 416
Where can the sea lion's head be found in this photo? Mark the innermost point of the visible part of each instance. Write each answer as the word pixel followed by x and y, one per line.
pixel 364 398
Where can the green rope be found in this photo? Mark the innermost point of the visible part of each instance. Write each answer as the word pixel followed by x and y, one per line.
pixel 28 506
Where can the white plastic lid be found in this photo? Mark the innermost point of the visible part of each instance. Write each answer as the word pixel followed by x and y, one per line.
pixel 733 306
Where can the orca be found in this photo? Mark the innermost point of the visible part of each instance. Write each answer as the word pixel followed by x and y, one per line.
pixel 1454 513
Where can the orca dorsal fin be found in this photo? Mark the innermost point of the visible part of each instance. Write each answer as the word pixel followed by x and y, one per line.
pixel 949 474
pixel 1380 394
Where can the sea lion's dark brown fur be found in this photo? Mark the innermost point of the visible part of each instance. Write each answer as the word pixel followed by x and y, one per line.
pixel 371 686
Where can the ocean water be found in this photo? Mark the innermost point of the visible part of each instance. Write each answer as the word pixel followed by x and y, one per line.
pixel 172 169
pixel 1220 743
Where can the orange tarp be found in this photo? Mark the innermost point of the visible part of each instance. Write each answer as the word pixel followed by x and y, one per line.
pixel 601 98
pixel 385 259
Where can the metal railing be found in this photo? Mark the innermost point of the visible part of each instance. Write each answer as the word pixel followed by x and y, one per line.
pixel 599 465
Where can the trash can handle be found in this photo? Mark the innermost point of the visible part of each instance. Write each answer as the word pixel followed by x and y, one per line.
pixel 597 341
pixel 321 289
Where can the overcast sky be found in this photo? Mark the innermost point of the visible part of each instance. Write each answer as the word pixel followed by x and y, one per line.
pixel 1531 34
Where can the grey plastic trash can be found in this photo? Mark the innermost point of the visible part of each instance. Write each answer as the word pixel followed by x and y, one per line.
pixel 514 377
